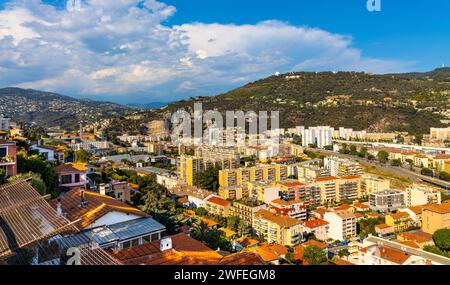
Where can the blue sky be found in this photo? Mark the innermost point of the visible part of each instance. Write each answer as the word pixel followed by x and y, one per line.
pixel 146 51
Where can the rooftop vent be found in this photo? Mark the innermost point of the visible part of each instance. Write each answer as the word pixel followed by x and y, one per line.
pixel 165 244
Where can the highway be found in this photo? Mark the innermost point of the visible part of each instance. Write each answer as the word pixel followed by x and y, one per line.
pixel 399 171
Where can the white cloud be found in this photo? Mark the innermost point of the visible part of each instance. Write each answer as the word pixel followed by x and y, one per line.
pixel 122 48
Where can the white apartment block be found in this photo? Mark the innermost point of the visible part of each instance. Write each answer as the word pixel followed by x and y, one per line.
pixel 342 225
pixel 440 133
pixel 342 167
pixel 420 194
pixel 4 123
pixel 321 136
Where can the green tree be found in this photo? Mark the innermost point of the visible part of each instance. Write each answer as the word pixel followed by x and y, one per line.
pixel 442 239
pixel 383 156
pixel 234 223
pixel 36 181
pixel 217 239
pixel 82 156
pixel 444 176
pixel 35 164
pixel 435 250
pixel 209 179
pixel 199 231
pixel 353 150
pixel 343 252
pixel 2 176
pixel 427 172
pixel 362 152
pixel 314 255
pixel 396 162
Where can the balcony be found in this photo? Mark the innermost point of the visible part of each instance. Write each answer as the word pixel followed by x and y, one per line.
pixel 7 160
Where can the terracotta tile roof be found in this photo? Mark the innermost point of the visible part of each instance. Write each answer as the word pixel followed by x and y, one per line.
pixel 399 215
pixel 330 178
pixel 416 209
pixel 183 200
pixel 293 184
pixel 320 211
pixel 393 255
pixel 358 215
pixel 313 242
pixel 342 207
pixel 66 168
pixel 417 236
pixel 383 226
pixel 96 206
pixel 286 203
pixel 283 221
pixel 242 258
pixel 339 261
pixel 442 156
pixel 372 215
pixel 360 205
pixel 247 242
pixel 351 177
pixel 266 254
pixel 219 201
pixel 228 232
pixel 278 248
pixel 444 208
pixel 316 223
pixel 410 244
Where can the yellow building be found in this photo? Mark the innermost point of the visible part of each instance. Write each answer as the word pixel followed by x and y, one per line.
pixel 245 210
pixel 233 192
pixel 399 221
pixel 218 206
pixel 190 167
pixel 349 188
pixel 276 229
pixel 371 184
pixel 240 176
pixel 435 217
pixel 263 191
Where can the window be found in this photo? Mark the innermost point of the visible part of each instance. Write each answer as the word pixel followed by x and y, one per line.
pixel 66 179
pixel 135 242
pixel 155 237
pixel 146 239
pixel 77 178
pixel 3 152
pixel 126 244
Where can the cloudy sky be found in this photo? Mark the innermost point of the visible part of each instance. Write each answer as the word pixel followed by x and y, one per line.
pixel 132 51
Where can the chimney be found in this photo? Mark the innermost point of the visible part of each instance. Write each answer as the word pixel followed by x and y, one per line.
pixel 165 244
pixel 59 208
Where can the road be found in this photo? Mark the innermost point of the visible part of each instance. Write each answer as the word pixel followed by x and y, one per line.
pixel 402 172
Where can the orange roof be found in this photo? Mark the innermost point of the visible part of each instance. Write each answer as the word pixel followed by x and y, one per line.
pixel 372 214
pixel 242 258
pixel 399 215
pixel 313 242
pixel 339 261
pixel 219 201
pixel 283 221
pixel 444 208
pixel 442 156
pixel 209 223
pixel 183 200
pixel 358 215
pixel 417 236
pixel 383 226
pixel 293 184
pixel 350 177
pixel 393 255
pixel 320 211
pixel 342 207
pixel 266 253
pixel 416 209
pixel 96 206
pixel 68 168
pixel 247 242
pixel 316 223
pixel 298 250
pixel 410 244
pixel 286 203
pixel 360 205
pixel 229 233
pixel 326 178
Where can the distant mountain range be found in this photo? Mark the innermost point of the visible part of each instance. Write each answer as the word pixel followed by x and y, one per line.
pixel 51 109
pixel 410 102
pixel 152 105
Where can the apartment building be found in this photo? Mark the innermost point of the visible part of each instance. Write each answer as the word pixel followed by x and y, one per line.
pixel 263 191
pixel 342 225
pixel 245 209
pixel 328 189
pixel 349 188
pixel 435 217
pixel 320 136
pixel 399 221
pixel 234 177
pixel 196 196
pixel 277 229
pixel 214 152
pixel 218 206
pixel 343 167
pixel 387 200
pixel 307 173
pixel 8 157
pixel 440 133
pixel 295 209
pixel 190 166
pixel 370 183
pixel 320 228
pixel 421 194
pixel 233 192
pixel 5 123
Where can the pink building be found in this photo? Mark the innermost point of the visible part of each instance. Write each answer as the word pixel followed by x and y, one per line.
pixel 8 158
pixel 72 175
pixel 318 227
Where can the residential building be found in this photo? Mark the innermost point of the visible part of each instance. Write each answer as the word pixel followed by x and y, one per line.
pixel 320 136
pixel 349 188
pixel 371 184
pixel 218 206
pixel 421 194
pixel 50 153
pixel 158 128
pixel 245 209
pixel 436 217
pixel 420 238
pixel 342 225
pixel 415 214
pixel 440 133
pixel 320 228
pixel 277 229
pixel 196 196
pixel 4 123
pixel 400 221
pixel 235 177
pixel 387 200
pixel 119 190
pixel 190 167
pixel 263 191
pixel 155 148
pixel 233 192
pixel 343 167
pixel 72 175
pixel 112 224
pixel 328 189
pixel 8 157
pixel 384 230
pixel 308 173
pixel 295 209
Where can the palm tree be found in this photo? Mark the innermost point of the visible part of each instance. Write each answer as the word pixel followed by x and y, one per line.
pixel 200 230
